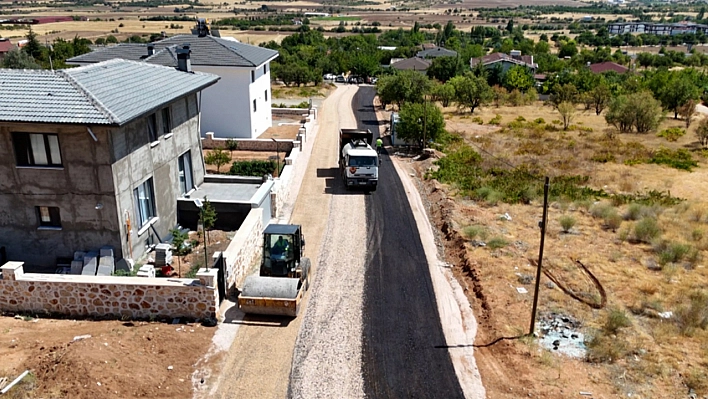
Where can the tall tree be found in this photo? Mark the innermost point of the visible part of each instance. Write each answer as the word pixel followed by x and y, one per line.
pixel 471 91
pixel 33 47
pixel 17 59
pixel 445 68
pixel 679 90
pixel 518 77
pixel 418 120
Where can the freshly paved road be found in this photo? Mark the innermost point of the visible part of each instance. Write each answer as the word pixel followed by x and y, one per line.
pixel 400 314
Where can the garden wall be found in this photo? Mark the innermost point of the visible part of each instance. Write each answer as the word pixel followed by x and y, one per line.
pixel 107 296
pixel 244 249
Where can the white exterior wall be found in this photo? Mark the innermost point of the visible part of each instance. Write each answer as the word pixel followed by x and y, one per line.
pixel 227 106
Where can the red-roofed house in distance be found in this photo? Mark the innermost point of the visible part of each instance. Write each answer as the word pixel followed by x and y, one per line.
pixel 601 67
pixel 5 47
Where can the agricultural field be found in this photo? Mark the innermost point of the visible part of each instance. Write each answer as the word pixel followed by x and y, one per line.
pixel 641 233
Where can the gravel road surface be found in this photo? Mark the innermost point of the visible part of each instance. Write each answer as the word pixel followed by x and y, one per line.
pixel 404 349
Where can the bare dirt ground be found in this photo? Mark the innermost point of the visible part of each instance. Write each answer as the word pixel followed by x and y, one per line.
pixel 119 360
pixel 651 357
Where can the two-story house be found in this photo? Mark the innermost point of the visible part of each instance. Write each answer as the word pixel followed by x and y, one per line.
pixel 96 156
pixel 239 105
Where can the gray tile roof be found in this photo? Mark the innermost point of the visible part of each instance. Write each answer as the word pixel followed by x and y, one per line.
pixel 107 93
pixel 436 52
pixel 206 51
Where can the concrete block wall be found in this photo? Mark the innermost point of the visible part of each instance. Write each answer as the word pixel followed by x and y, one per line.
pixel 245 248
pixel 284 146
pixel 119 297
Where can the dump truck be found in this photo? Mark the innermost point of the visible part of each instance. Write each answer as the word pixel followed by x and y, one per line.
pixel 284 274
pixel 358 161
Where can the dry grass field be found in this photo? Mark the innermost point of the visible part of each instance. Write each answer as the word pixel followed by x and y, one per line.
pixel 649 259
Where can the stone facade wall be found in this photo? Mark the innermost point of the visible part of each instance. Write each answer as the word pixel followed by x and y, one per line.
pixel 119 297
pixel 289 111
pixel 245 248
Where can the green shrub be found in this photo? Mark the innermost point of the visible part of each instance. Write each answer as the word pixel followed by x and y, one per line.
pixel 612 220
pixel 616 319
pixel 672 134
pixel 678 159
pixel 693 315
pixel 697 235
pixel 550 128
pixel 646 230
pixel 605 349
pixel 671 252
pixel 253 168
pixel 539 121
pixel 496 120
pixel 497 242
pixel 603 157
pixel 478 120
pixel 520 118
pixel 472 232
pixel 556 122
pixel 601 210
pixel 634 212
pixel 567 222
pixel 489 195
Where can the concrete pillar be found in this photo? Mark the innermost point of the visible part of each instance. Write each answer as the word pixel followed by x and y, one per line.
pixel 207 278
pixel 12 270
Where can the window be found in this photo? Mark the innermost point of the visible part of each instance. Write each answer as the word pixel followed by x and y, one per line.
pixel 265 69
pixel 166 120
pixel 186 182
pixel 253 76
pixel 36 149
pixel 266 95
pixel 254 105
pixel 152 127
pixel 48 216
pixel 144 202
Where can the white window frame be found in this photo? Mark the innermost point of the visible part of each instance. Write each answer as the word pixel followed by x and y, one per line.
pixel 185 173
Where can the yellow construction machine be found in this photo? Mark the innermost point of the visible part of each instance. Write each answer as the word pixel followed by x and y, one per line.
pixel 284 274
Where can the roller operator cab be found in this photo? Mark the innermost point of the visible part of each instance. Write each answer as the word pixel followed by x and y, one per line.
pixel 282 249
pixel 358 161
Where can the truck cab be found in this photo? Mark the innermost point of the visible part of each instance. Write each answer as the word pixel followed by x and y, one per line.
pixel 358 161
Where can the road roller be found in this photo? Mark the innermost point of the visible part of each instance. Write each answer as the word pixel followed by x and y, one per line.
pixel 284 274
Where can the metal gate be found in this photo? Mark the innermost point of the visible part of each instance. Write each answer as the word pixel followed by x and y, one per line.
pixel 220 265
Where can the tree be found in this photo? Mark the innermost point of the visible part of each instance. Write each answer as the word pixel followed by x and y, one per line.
pixel 403 87
pixel 33 47
pixel 702 132
pixel 687 111
pixel 231 145
pixel 445 68
pixel 637 110
pixel 567 50
pixel 207 217
pixel 567 111
pixel 417 119
pixel 471 91
pixel 563 93
pixel 445 93
pixel 510 25
pixel 599 97
pixel 178 239
pixel 17 59
pixel 499 96
pixel 217 157
pixel 679 90
pixel 518 77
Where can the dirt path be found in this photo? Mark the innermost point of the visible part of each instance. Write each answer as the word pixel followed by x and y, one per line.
pixel 258 363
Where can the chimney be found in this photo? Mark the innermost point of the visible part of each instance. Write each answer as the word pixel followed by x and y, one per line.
pixel 184 64
pixel 151 49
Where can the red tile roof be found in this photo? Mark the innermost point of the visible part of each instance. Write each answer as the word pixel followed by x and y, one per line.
pixel 608 66
pixel 5 46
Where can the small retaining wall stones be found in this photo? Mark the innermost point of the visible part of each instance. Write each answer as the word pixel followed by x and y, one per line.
pixel 108 296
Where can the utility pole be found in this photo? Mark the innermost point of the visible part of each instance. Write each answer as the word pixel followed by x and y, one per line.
pixel 542 225
pixel 425 117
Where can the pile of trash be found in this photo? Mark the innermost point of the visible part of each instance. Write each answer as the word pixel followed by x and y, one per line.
pixel 561 333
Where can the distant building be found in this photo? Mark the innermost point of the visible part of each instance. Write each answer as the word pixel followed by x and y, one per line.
pixel 239 105
pixel 411 64
pixel 317 14
pixel 620 28
pixel 436 52
pixel 601 67
pixel 506 61
pixel 387 48
pixel 5 47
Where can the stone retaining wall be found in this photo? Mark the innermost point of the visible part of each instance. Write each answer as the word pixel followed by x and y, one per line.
pixel 108 296
pixel 289 111
pixel 284 146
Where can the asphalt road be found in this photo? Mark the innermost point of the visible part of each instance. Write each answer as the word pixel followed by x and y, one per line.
pixel 401 322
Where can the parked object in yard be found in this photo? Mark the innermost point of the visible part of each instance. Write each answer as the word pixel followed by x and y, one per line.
pixel 358 161
pixel 284 274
